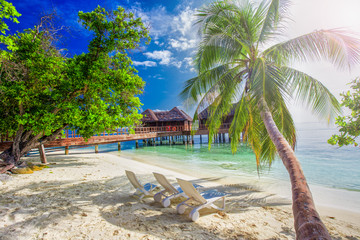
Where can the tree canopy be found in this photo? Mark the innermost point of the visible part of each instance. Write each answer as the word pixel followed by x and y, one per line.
pixel 349 126
pixel 42 91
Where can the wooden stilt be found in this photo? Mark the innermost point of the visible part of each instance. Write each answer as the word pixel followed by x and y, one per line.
pixel 42 154
pixel 97 148
pixel 66 150
pixel 119 146
pixel 136 144
pixel 192 139
pixel 200 139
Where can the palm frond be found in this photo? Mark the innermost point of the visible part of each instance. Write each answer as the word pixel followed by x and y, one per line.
pixel 312 92
pixel 268 82
pixel 222 105
pixel 337 46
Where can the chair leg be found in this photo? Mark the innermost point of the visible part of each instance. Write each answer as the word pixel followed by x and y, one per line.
pixel 158 196
pixel 194 215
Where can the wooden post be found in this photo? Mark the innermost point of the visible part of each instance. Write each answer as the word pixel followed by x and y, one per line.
pixel 223 137
pixel 42 154
pixel 96 148
pixel 119 146
pixel 200 139
pixel 161 138
pixel 154 141
pixel 66 150
pixel 173 139
pixel 136 144
pixel 192 139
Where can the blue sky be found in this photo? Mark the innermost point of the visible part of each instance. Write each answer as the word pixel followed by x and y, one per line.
pixel 165 64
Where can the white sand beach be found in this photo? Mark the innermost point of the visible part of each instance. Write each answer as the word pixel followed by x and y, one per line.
pixel 87 196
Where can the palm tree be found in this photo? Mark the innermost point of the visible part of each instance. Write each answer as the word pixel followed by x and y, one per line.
pixel 236 67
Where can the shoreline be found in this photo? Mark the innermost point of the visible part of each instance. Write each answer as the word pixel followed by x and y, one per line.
pixel 88 196
pixel 324 196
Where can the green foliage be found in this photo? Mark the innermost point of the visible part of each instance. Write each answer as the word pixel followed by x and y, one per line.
pixel 349 126
pixel 237 68
pixel 42 91
pixel 7 11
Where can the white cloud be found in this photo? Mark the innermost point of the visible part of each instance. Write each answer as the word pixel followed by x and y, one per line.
pixel 165 57
pixel 157 19
pixel 176 28
pixel 145 63
pixel 184 21
pixel 189 64
pixel 182 43
pixel 156 76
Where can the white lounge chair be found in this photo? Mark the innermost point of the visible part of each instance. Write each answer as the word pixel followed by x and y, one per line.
pixel 141 190
pixel 205 199
pixel 170 191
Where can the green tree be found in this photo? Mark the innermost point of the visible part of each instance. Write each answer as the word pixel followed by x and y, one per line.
pixel 236 67
pixel 42 92
pixel 7 11
pixel 349 126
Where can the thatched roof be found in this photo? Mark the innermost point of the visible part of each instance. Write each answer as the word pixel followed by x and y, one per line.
pixel 174 114
pixel 205 113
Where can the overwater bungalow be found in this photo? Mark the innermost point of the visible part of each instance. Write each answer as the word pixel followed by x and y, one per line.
pixel 204 115
pixel 173 120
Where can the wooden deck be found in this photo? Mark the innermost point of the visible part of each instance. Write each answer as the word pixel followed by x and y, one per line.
pixel 70 138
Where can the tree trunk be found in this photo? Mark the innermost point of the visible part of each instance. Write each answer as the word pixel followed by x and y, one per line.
pixel 307 222
pixel 23 143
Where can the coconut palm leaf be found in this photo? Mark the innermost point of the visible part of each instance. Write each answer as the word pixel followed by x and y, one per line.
pixel 273 14
pixel 312 93
pixel 336 45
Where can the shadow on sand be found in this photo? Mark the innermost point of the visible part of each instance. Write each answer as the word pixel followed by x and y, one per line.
pixel 44 204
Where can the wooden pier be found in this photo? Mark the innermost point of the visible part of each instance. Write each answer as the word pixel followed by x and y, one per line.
pixel 160 125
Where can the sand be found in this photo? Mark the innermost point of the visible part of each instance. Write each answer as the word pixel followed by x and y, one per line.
pixel 87 196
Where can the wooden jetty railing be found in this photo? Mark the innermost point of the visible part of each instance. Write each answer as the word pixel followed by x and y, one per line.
pixel 223 126
pixel 121 131
pixel 70 138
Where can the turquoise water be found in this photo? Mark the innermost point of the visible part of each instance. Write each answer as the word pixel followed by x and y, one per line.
pixel 322 163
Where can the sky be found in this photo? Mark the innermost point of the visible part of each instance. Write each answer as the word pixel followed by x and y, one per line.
pixel 166 63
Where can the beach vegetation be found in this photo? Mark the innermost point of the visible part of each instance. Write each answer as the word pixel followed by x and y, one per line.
pixel 349 126
pixel 243 60
pixel 7 12
pixel 44 91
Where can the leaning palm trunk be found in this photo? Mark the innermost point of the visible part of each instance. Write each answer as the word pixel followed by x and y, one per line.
pixel 308 224
pixel 233 67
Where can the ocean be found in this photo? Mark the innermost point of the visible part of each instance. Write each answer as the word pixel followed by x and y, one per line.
pixel 323 164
